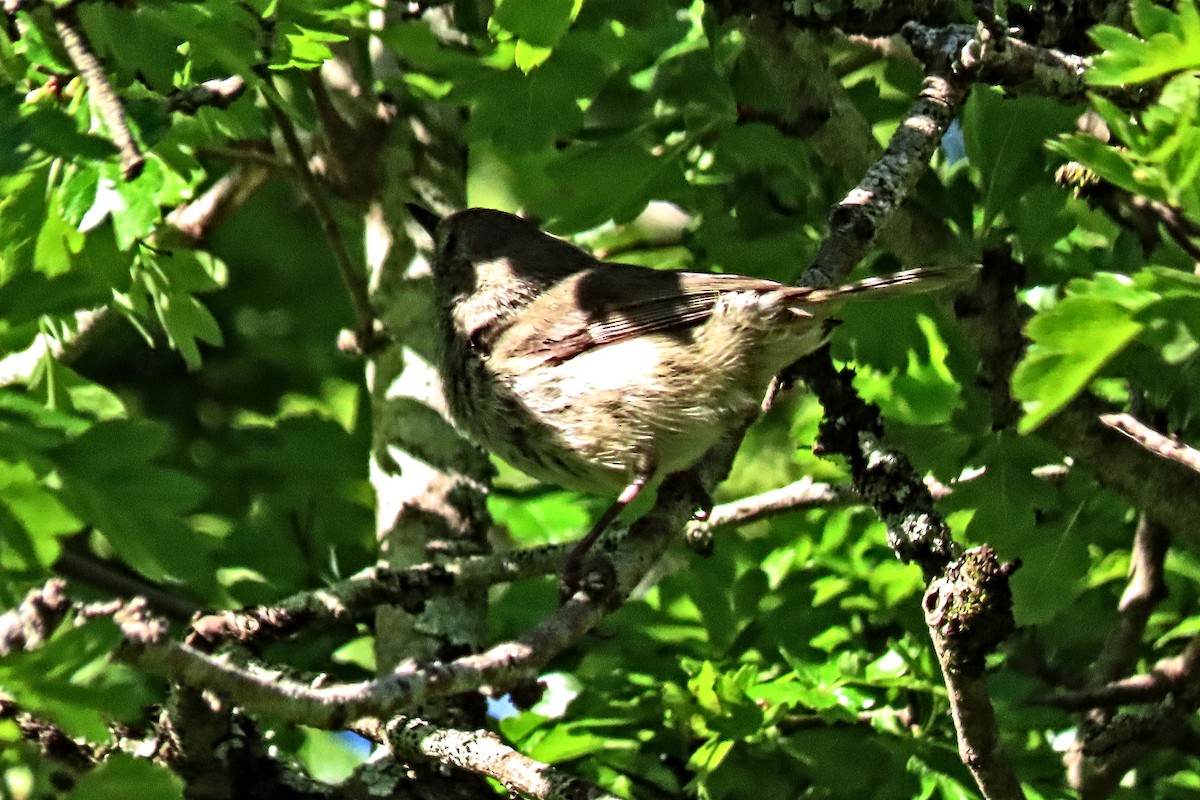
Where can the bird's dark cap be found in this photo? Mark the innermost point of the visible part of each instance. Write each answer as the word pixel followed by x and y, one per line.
pixel 427 219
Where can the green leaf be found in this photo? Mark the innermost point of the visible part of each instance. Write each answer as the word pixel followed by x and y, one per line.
pixel 306 48
pixel 1171 44
pixel 539 22
pixel 57 134
pixel 614 180
pixel 74 680
pixel 109 480
pixel 1072 341
pixel 187 323
pixel 528 56
pixel 1007 496
pixel 1051 572
pixel 122 776
pixel 1004 139
pixel 519 112
pixel 38 510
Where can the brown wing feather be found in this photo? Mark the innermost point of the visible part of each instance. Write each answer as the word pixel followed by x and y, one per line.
pixel 618 302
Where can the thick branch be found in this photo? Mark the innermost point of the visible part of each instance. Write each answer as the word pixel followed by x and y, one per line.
pixel 969 612
pixel 503 666
pixel 483 753
pixel 1007 62
pixel 884 476
pixel 856 220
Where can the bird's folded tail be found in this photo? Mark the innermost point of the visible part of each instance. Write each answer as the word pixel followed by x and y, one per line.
pixel 910 281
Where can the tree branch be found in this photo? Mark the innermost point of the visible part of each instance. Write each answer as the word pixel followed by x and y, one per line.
pixel 1003 60
pixel 219 93
pixel 857 219
pixel 1166 489
pixel 27 626
pixel 509 664
pixel 1150 439
pixel 976 583
pixel 1146 588
pixel 483 753
pixel 54 744
pixel 355 599
pixel 79 50
pixel 352 278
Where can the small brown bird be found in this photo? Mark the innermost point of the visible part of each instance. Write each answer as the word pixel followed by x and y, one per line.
pixel 604 377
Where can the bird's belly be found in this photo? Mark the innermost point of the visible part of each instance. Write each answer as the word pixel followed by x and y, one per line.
pixel 611 411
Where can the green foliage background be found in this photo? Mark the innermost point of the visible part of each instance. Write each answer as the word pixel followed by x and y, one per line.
pixel 209 437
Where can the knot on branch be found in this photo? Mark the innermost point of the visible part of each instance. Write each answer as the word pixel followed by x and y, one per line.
pixel 29 625
pixel 969 608
pixel 139 625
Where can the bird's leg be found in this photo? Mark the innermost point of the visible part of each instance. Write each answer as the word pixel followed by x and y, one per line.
pixel 572 569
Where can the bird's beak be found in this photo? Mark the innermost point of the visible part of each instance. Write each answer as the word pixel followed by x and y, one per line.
pixel 428 220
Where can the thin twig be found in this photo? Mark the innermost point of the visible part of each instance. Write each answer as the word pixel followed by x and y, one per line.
pixel 1146 589
pixel 355 599
pixel 1166 488
pixel 117 580
pixel 193 221
pixel 249 153
pixel 55 745
pixel 1152 440
pixel 218 93
pixel 352 278
pixel 79 50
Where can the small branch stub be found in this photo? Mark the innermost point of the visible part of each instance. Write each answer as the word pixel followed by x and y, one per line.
pixel 969 609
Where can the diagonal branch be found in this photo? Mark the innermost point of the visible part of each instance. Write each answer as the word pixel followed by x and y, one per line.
pixel 1146 588
pixel 856 220
pixel 975 581
pixel 1152 440
pixel 266 690
pixel 352 277
pixel 79 49
pixel 1166 489
pixel 483 753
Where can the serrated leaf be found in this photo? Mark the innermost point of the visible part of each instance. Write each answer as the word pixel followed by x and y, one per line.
pixel 1071 343
pixel 187 322
pixel 1051 570
pixel 1127 59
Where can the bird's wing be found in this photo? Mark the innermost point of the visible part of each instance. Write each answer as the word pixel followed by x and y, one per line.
pixel 615 302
